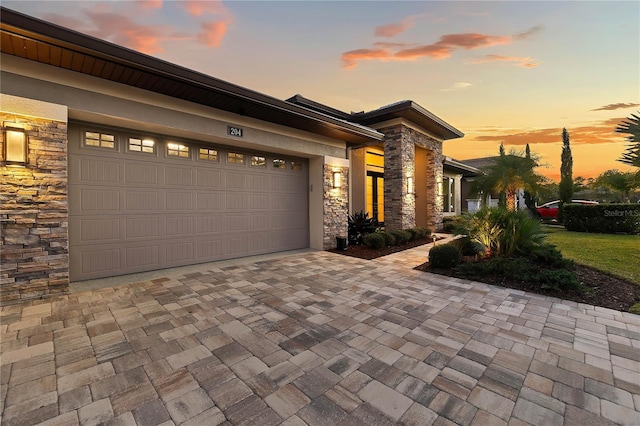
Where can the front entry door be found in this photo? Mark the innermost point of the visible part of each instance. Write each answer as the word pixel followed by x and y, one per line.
pixel 375 195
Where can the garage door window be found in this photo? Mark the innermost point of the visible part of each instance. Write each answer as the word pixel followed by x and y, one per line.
pixel 257 161
pixel 177 150
pixel 279 163
pixel 102 140
pixel 296 165
pixel 208 154
pixel 235 158
pixel 147 146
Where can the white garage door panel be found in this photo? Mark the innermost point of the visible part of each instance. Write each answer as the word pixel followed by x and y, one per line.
pixel 131 212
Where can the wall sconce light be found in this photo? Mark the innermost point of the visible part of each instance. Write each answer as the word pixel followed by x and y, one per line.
pixel 337 180
pixel 440 192
pixel 16 150
pixel 410 188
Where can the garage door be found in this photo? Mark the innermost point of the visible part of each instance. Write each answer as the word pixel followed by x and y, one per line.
pixel 140 202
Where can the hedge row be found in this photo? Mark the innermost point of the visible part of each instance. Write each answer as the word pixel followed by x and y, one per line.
pixel 602 218
pixel 378 240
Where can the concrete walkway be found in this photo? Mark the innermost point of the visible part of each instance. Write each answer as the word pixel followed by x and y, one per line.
pixel 320 339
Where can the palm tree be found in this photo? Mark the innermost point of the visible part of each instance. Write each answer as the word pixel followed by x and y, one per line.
pixel 508 175
pixel 631 127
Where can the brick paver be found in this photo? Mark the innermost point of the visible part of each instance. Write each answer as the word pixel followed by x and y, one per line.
pixel 318 339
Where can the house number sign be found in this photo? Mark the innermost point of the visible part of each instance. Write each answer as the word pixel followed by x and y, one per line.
pixel 234 131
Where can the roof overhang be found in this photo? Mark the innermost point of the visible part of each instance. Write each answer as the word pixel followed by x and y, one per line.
pixel 459 167
pixel 50 44
pixel 411 111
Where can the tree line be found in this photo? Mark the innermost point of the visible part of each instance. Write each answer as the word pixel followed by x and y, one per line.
pixel 516 171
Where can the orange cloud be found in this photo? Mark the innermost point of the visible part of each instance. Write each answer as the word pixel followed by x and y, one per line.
pixel 120 29
pixel 117 28
pixel 596 133
pixel 350 59
pixel 150 4
pixel 394 29
pixel 447 43
pixel 432 50
pixel 472 40
pixel 199 7
pixel 619 105
pixel 212 33
pixel 525 62
pixel 441 49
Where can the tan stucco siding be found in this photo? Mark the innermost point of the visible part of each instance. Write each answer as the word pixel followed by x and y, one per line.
pixel 104 102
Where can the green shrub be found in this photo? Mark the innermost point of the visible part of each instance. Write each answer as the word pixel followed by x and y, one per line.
pixel 360 224
pixel 444 256
pixel 423 231
pixel 502 232
pixel 552 257
pixel 557 279
pixel 451 224
pixel 414 233
pixel 602 218
pixel 374 240
pixel 401 236
pixel 467 246
pixel 524 270
pixel 389 240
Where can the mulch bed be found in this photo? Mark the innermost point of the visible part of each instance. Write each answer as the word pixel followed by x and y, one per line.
pixel 363 252
pixel 608 291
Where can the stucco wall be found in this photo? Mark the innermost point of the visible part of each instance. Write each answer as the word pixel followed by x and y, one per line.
pixel 104 102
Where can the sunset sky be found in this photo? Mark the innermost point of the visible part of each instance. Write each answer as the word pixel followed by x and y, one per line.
pixel 516 71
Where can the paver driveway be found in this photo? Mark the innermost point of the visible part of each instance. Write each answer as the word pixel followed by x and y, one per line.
pixel 319 339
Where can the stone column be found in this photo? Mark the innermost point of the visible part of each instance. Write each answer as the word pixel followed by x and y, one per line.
pixel 34 242
pixel 399 164
pixel 336 201
pixel 434 171
pixel 435 201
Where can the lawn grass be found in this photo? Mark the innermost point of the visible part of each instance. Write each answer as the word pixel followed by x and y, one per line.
pixel 615 254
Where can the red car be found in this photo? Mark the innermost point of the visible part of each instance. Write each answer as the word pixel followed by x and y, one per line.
pixel 549 211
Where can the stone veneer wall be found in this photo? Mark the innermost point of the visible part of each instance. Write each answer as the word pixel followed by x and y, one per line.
pixel 399 163
pixel 434 173
pixel 336 206
pixel 34 242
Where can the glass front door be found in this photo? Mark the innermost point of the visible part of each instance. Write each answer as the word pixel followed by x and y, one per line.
pixel 375 195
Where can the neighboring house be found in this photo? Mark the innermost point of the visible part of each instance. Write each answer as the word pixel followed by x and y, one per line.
pixel 455 187
pixel 136 164
pixel 474 201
